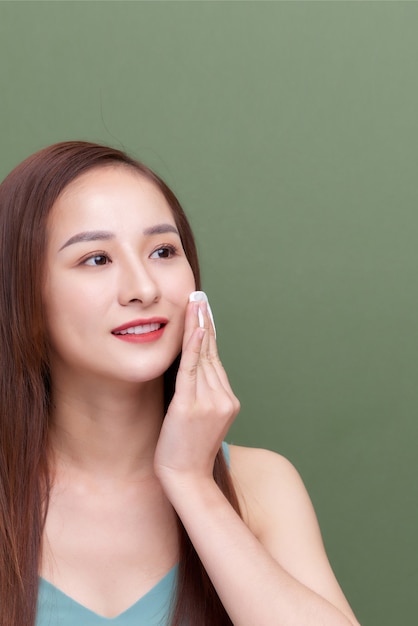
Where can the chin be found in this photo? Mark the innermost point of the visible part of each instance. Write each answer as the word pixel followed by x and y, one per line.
pixel 147 375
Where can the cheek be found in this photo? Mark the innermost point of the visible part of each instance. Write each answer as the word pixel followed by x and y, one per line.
pixel 189 280
pixel 66 313
pixel 56 305
pixel 178 284
pixel 181 289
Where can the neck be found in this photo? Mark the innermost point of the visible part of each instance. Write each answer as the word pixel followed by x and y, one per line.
pixel 108 432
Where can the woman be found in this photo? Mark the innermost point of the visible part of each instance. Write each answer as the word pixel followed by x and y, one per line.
pixel 118 501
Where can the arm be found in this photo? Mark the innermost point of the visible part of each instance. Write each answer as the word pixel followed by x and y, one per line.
pixel 272 568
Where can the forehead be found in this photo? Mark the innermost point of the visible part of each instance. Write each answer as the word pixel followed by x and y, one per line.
pixel 110 193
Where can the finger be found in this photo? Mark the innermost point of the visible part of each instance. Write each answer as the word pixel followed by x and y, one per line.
pixel 201 374
pixel 209 347
pixel 191 322
pixel 197 317
pixel 212 373
pixel 200 296
pixel 189 364
pixel 210 366
pixel 210 352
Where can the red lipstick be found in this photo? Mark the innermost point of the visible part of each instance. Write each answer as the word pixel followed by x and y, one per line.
pixel 141 330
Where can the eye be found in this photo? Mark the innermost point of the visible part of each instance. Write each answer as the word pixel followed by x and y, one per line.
pixel 96 260
pixel 164 252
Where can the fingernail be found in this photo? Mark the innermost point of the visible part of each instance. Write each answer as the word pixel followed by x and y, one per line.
pixel 200 296
pixel 200 316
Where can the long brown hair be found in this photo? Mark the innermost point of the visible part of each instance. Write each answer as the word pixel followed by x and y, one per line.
pixel 26 198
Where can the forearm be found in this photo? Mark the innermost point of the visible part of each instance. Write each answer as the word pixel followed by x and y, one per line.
pixel 253 587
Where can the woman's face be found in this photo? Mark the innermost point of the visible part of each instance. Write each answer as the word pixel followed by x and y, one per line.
pixel 117 279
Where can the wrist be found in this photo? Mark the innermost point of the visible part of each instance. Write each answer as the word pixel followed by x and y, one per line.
pixel 182 488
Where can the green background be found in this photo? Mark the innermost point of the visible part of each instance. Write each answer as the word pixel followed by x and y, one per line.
pixel 289 130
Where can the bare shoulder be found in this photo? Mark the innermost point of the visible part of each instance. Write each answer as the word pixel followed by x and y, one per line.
pixel 267 481
pixel 256 463
pixel 276 506
pixel 274 501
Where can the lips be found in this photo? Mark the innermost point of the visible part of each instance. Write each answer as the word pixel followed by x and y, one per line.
pixel 138 330
pixel 141 328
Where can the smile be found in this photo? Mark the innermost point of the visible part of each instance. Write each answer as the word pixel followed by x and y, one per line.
pixel 139 330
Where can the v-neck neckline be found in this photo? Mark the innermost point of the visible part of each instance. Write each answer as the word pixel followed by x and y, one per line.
pixel 166 583
pixel 152 609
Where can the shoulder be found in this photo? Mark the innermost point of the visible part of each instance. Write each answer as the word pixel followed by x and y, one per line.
pixel 256 468
pixel 278 510
pixel 273 498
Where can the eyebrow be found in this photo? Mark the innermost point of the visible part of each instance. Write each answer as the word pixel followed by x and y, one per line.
pixel 161 229
pixel 105 235
pixel 90 235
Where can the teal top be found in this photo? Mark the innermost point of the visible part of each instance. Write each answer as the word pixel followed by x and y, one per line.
pixel 55 608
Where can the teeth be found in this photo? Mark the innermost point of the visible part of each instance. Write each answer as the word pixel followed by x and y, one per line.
pixel 139 330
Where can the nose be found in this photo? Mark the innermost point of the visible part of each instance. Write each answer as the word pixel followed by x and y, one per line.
pixel 137 284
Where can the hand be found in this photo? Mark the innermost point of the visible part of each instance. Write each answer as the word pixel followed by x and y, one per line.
pixel 202 409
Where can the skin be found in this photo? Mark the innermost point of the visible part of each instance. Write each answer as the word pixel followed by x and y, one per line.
pixel 119 466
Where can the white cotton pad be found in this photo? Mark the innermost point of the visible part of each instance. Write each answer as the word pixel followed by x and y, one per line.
pixel 200 296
